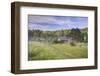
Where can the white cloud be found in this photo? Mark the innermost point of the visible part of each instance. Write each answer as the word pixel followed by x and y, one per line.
pixel 49 22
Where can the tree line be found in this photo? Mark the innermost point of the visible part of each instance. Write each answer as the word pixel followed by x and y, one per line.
pixel 76 34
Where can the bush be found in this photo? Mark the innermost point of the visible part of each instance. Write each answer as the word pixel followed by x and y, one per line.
pixel 72 44
pixel 58 41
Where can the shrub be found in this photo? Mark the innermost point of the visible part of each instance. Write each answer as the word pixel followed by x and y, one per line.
pixel 58 41
pixel 72 44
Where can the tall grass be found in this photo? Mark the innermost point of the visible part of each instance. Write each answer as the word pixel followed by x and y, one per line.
pixel 46 51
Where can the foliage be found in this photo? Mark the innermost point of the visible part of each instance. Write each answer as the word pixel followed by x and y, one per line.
pixel 56 41
pixel 79 35
pixel 72 44
pixel 76 34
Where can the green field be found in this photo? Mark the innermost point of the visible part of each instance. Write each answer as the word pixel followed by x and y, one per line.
pixel 47 51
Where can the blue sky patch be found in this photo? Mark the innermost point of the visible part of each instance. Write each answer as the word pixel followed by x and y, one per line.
pixel 53 23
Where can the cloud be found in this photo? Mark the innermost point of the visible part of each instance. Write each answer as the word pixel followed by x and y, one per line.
pixel 56 22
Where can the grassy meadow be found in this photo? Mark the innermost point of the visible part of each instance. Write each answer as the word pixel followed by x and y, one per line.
pixel 47 51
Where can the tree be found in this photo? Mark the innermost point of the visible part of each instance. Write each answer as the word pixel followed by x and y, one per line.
pixel 85 37
pixel 76 34
pixel 30 34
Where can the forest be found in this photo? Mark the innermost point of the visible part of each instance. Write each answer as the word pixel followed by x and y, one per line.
pixel 79 35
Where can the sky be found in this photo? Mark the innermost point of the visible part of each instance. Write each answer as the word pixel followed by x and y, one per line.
pixel 53 23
